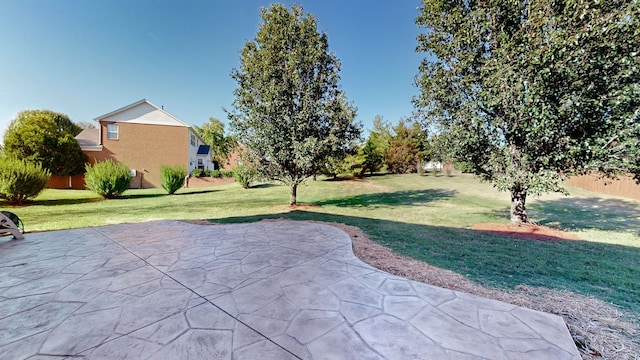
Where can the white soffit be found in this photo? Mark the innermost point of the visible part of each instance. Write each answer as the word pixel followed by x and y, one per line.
pixel 142 112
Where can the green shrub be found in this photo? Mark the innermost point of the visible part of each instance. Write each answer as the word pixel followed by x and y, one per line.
pixel 108 178
pixel 172 177
pixel 21 180
pixel 226 173
pixel 212 173
pixel 244 175
pixel 331 168
pixel 351 166
pixel 198 172
pixel 220 173
pixel 463 166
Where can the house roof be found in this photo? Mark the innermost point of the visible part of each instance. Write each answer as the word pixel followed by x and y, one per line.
pixel 142 112
pixel 88 137
pixel 204 149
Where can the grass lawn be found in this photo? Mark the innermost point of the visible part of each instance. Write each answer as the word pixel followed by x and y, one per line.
pixel 423 217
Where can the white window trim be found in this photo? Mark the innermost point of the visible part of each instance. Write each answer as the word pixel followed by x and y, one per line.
pixel 117 132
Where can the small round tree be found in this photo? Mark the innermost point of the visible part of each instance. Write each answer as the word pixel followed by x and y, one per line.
pixel 108 178
pixel 47 138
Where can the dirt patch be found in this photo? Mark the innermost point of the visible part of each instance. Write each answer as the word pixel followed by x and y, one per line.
pixel 526 231
pixel 599 330
pixel 200 182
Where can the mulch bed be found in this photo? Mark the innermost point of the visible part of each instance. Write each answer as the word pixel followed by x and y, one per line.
pixel 526 231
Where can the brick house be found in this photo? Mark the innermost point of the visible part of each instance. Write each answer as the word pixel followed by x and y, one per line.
pixel 144 137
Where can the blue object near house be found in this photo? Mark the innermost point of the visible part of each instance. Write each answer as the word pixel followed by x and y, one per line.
pixel 203 156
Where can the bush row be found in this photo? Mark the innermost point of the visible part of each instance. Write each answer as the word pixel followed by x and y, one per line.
pixel 110 179
pixel 212 173
pixel 21 180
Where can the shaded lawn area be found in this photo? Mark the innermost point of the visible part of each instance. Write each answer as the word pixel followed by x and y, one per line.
pixel 423 217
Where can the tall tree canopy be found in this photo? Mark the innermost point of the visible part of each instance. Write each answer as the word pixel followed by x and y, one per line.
pixel 288 108
pixel 406 148
pixel 533 91
pixel 381 134
pixel 373 157
pixel 212 133
pixel 47 138
pixel 376 146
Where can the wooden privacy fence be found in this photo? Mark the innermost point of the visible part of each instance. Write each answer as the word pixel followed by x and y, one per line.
pixel 625 186
pixel 66 182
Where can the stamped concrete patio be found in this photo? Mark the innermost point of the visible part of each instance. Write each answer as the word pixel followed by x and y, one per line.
pixel 268 290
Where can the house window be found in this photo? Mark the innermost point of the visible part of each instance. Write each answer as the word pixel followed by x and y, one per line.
pixel 112 131
pixel 201 164
pixel 193 140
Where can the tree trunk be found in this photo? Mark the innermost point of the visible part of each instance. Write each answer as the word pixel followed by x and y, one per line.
pixel 293 189
pixel 518 209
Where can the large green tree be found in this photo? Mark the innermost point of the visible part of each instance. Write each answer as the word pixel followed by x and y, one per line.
pixel 289 110
pixel 532 92
pixel 47 138
pixel 212 133
pixel 380 135
pixel 373 157
pixel 377 145
pixel 406 147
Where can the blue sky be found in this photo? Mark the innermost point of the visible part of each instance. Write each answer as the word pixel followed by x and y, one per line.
pixel 87 58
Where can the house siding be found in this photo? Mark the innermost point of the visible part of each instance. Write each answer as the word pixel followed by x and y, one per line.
pixel 193 149
pixel 145 148
pixel 146 138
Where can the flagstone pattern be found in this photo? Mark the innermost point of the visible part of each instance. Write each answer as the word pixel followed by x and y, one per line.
pixel 267 290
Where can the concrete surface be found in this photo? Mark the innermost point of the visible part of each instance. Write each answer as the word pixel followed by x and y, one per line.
pixel 268 290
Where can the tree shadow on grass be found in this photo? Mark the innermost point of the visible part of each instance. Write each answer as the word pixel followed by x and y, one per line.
pixel 409 197
pixel 140 196
pixel 606 271
pixel 375 174
pixel 573 213
pixel 56 202
pixel 361 178
pixel 339 179
pixel 265 185
pixel 155 195
pixel 190 192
